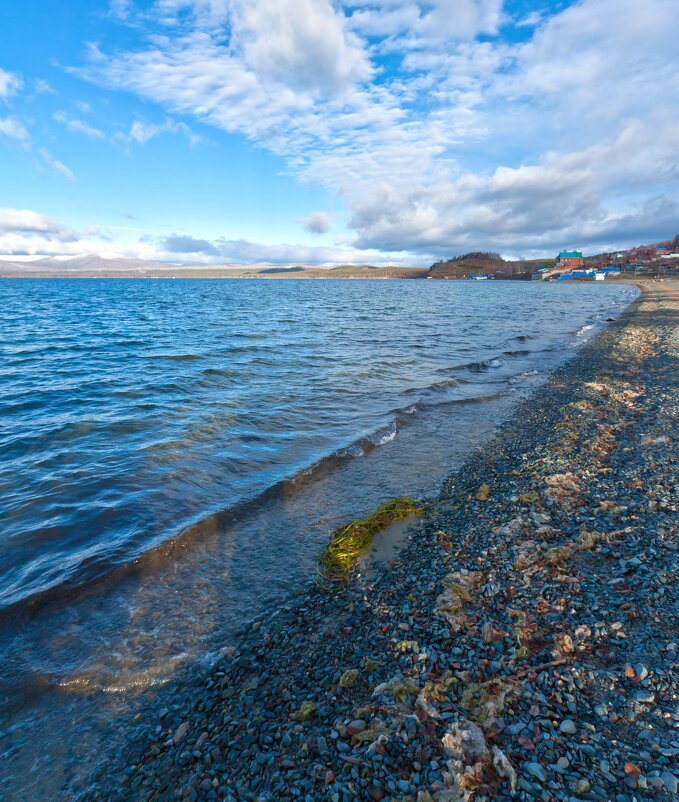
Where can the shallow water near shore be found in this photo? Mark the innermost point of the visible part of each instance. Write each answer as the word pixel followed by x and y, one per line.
pixel 173 455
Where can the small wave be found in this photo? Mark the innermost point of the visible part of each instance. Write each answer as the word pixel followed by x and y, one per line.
pixel 472 367
pixel 219 372
pixel 174 357
pixel 440 386
pixel 354 450
pixel 452 402
pixel 126 681
pixel 523 352
pixel 482 365
pixel 584 329
pixel 364 445
pixel 525 375
pixel 244 349
pixel 444 385
pixel 385 436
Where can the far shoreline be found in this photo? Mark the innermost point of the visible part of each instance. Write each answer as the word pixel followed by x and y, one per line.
pixel 224 275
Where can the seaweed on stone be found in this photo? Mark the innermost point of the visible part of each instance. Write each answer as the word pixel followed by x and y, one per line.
pixel 351 540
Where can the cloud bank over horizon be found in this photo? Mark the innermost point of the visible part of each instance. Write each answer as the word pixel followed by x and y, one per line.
pixel 426 128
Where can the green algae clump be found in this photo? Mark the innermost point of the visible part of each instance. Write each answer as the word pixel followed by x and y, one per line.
pixel 351 540
pixel 306 712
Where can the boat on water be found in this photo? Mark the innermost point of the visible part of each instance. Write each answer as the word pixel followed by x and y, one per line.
pixel 479 277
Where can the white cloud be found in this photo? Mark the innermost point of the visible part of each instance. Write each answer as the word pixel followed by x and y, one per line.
pixel 78 126
pixel 425 24
pixel 9 83
pixel 26 221
pixel 142 132
pixel 530 206
pixel 460 19
pixel 302 44
pixel 385 19
pixel 183 244
pixel 241 251
pixel 11 127
pixel 531 19
pixel 26 232
pixel 57 166
pixel 316 222
pixel 42 87
pixel 459 141
pixel 625 61
pixel 299 43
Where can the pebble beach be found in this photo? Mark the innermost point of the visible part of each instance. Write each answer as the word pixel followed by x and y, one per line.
pixel 523 644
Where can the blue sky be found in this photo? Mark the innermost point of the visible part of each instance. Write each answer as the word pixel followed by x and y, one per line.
pixel 219 131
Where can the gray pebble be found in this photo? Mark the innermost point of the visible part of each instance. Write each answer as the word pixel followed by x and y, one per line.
pixel 670 782
pixel 536 770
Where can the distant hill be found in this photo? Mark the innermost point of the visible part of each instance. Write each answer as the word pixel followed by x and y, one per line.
pixel 111 266
pixel 86 265
pixel 491 264
pixel 276 270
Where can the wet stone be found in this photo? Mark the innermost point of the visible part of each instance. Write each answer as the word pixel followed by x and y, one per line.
pixel 670 782
pixel 536 770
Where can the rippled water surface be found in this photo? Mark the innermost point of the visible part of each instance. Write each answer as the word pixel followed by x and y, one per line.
pixel 173 454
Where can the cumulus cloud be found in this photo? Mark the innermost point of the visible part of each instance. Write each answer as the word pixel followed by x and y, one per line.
pixel 26 232
pixel 142 132
pixel 316 222
pixel 302 44
pixel 460 19
pixel 242 251
pixel 11 127
pixel 425 24
pixel 28 221
pixel 436 131
pixel 184 244
pixel 227 251
pixel 9 83
pixel 561 198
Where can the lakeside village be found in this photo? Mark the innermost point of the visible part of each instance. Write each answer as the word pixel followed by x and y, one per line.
pixel 571 264
pixel 657 260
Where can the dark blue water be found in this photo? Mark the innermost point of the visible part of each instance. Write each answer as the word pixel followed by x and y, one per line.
pixel 173 453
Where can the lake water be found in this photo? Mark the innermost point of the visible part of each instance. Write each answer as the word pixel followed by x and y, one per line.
pixel 173 455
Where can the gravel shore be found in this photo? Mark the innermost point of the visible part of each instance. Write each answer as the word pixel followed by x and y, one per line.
pixel 523 644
